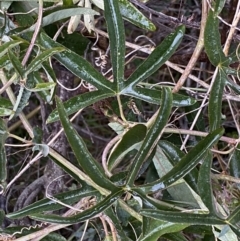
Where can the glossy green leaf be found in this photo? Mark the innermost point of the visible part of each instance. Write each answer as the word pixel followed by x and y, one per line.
pixel 132 137
pixel 156 59
pixel 184 218
pixel 69 168
pixel 212 41
pixel 117 41
pixel 234 164
pixel 84 157
pixel 234 217
pixel 5 103
pixel 16 63
pixel 152 203
pixel 36 63
pixel 62 14
pixel 215 101
pixel 20 7
pixel 186 164
pixel 7 46
pixel 153 229
pixel 224 233
pixel 37 135
pixel 77 65
pixel 51 76
pixel 3 158
pixel 4 61
pixel 181 191
pixel 133 15
pixel 45 94
pixel 218 6
pixel 235 87
pixel 175 237
pixel 205 186
pixel 152 136
pixel 119 227
pixel 21 102
pixel 174 155
pixel 236 230
pixel 78 102
pixel 43 86
pixel 5 112
pixel 47 204
pixel 154 97
pixel 83 216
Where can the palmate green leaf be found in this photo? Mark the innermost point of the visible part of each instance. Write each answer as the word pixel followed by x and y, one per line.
pixel 78 102
pixel 133 15
pixel 83 216
pixel 174 155
pixel 84 157
pixel 152 136
pixel 154 97
pixel 46 204
pixel 132 137
pixel 77 65
pixel 215 100
pixel 117 41
pixel 3 158
pixel 186 164
pixel 212 41
pixel 16 63
pixel 205 186
pixel 36 63
pixel 183 218
pixel 153 229
pixel 156 59
pixel 4 48
pixel 62 14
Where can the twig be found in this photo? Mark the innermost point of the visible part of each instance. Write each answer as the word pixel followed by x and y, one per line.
pixel 229 140
pixel 196 53
pixel 35 34
pixel 105 153
pixel 232 29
